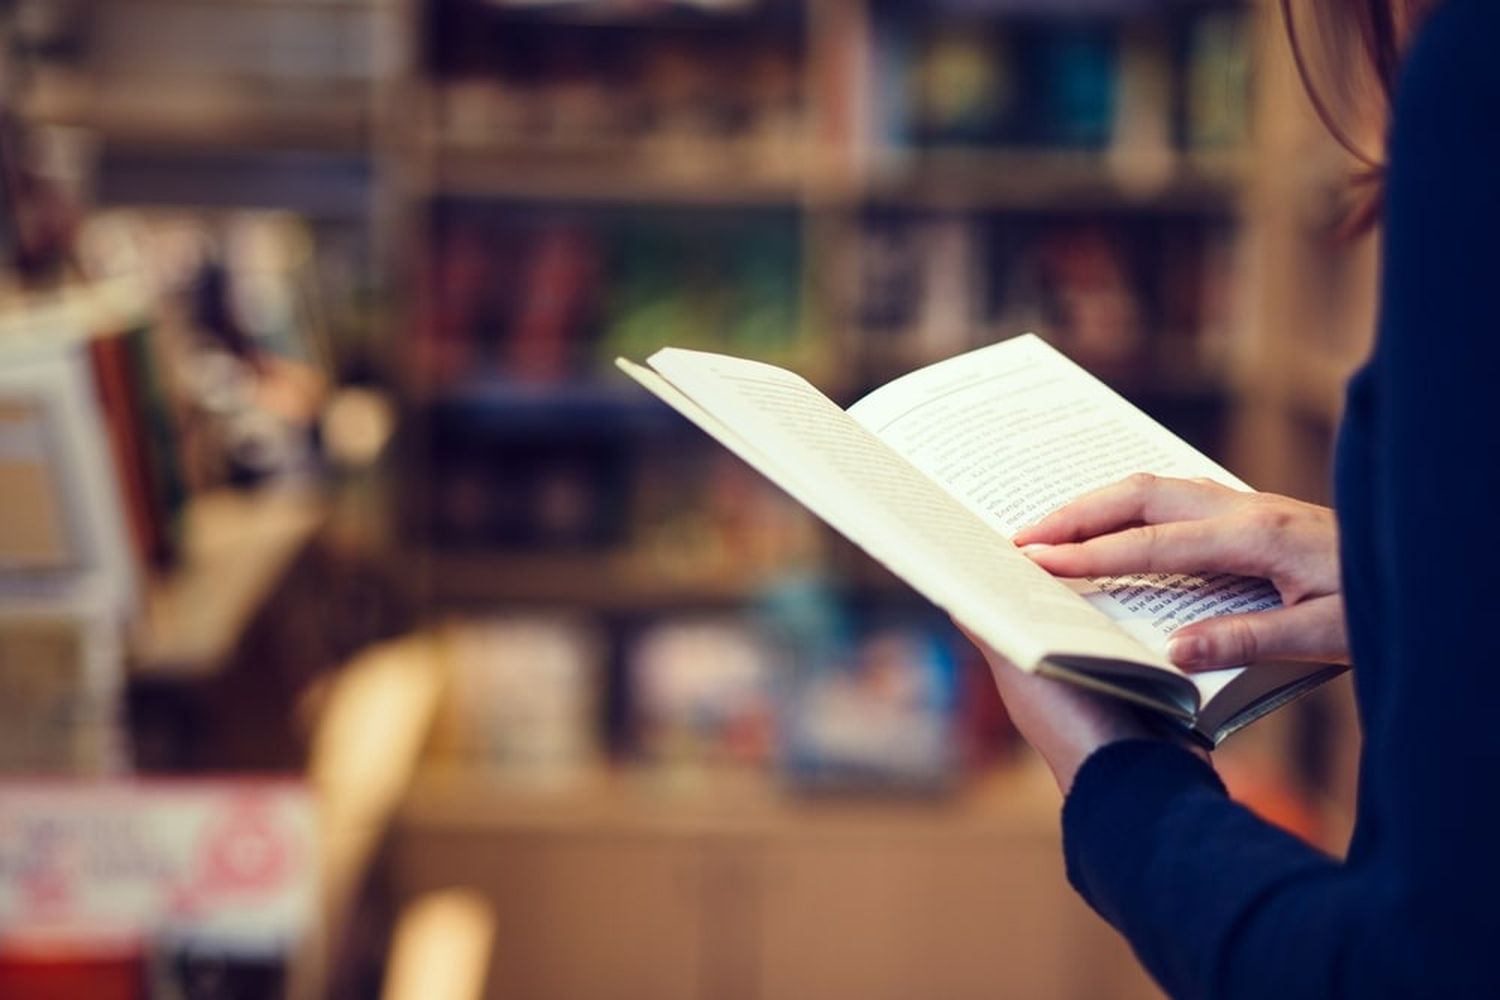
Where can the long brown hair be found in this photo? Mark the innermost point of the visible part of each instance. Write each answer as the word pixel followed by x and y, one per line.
pixel 1383 28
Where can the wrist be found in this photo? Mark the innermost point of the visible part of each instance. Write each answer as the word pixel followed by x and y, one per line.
pixel 1065 758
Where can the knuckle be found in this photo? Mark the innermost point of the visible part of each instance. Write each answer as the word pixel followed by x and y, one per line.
pixel 1243 644
pixel 1148 537
pixel 1141 481
pixel 1269 518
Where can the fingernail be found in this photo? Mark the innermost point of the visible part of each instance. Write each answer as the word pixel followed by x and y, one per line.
pixel 1035 547
pixel 1185 650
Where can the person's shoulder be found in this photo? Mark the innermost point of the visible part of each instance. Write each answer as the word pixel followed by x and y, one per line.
pixel 1447 98
pixel 1455 57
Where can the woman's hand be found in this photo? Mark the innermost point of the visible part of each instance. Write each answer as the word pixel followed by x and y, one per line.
pixel 1064 723
pixel 1149 524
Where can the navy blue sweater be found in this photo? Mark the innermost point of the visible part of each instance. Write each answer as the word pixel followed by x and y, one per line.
pixel 1219 904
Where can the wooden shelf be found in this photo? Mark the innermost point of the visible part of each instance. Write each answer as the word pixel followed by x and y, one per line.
pixel 608 405
pixel 614 172
pixel 206 120
pixel 614 583
pixel 454 796
pixel 238 547
pixel 605 581
pixel 75 311
pixel 621 885
pixel 629 13
pixel 951 178
pixel 956 178
pixel 314 6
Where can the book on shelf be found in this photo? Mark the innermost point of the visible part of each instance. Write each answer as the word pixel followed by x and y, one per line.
pixel 544 299
pixel 525 695
pixel 702 692
pixel 67 520
pixel 879 712
pixel 69 579
pixel 156 888
pixel 140 421
pixel 60 683
pixel 1139 300
pixel 933 473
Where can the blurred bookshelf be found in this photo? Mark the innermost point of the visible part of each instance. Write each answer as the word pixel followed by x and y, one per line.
pixel 732 890
pixel 507 196
pixel 850 188
pixel 447 217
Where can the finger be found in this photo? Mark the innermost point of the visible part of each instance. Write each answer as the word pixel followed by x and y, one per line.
pixel 1138 498
pixel 1312 630
pixel 1179 547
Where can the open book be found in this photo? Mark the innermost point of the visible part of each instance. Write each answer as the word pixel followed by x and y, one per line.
pixel 932 474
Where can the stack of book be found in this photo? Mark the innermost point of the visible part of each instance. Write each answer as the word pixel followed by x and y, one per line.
pixel 1083 83
pixel 197 359
pixel 547 297
pixel 720 89
pixel 1128 296
pixel 69 570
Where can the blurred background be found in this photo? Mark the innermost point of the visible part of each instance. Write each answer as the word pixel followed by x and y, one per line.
pixel 363 634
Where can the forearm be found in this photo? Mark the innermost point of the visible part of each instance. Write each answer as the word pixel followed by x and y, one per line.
pixel 1216 902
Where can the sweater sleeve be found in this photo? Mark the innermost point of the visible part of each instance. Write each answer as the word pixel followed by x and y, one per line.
pixel 1217 903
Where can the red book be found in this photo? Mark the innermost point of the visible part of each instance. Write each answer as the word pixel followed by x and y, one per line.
pixel 67 976
pixel 123 423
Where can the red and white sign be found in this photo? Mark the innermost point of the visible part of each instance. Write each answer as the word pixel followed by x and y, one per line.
pixel 228 861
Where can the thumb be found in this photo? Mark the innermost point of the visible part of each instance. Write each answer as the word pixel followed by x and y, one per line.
pixel 1311 630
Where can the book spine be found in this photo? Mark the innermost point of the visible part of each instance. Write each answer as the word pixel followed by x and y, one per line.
pixel 159 434
pixel 122 422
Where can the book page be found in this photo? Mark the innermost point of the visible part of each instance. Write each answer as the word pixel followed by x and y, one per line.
pixel 809 447
pixel 1015 430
